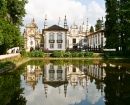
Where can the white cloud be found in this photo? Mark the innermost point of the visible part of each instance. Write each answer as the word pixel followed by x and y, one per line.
pixel 74 10
pixel 93 95
pixel 56 96
pixel 94 12
pixel 37 97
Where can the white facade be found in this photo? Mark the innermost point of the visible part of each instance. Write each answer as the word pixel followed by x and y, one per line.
pixel 75 76
pixel 32 37
pixel 54 73
pixel 96 39
pixel 76 36
pixel 55 40
pixel 32 75
pixel 55 76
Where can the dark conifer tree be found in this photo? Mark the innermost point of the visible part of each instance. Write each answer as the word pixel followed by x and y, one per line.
pixel 117 24
pixel 91 29
pixel 98 25
pixel 112 29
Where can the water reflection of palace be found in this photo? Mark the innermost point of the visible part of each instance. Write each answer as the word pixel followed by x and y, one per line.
pixel 96 71
pixel 32 75
pixel 76 76
pixel 58 75
pixel 54 76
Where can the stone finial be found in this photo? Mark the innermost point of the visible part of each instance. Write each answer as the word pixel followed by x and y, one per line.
pixel 45 22
pixel 65 23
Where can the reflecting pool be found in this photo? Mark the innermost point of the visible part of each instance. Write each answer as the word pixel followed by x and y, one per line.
pixel 79 82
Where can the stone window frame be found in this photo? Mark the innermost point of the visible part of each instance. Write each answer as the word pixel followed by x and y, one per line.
pixel 51 46
pixel 59 46
pixel 59 34
pixel 74 40
pixel 51 36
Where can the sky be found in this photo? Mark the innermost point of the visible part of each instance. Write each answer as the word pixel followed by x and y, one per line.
pixel 75 10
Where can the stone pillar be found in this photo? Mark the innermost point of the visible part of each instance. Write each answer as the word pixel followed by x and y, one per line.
pixel 101 41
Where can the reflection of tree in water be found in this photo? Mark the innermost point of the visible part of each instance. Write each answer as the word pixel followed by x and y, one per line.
pixel 10 89
pixel 117 90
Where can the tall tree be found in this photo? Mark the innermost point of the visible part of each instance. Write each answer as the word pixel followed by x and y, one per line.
pixel 112 28
pixel 91 29
pixel 98 25
pixel 117 24
pixel 16 11
pixel 124 6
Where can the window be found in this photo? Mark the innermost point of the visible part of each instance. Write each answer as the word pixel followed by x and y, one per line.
pixel 59 74
pixel 51 74
pixel 74 40
pixel 51 45
pixel 59 67
pixel 51 37
pixel 59 37
pixel 59 45
pixel 31 42
pixel 51 67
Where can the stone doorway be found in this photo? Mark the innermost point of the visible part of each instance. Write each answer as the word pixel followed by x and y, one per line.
pixel 31 49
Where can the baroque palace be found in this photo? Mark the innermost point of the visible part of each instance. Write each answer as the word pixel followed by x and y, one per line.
pixel 58 38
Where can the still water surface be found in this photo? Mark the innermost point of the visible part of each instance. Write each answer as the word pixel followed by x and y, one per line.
pixel 67 83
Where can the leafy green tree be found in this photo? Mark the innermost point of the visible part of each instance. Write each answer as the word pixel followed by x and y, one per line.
pixel 1 38
pixel 91 29
pixel 10 89
pixel 11 14
pixel 13 10
pixel 98 25
pixel 21 43
pixel 10 34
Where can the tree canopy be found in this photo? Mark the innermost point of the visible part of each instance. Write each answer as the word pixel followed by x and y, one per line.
pixel 11 14
pixel 91 29
pixel 98 25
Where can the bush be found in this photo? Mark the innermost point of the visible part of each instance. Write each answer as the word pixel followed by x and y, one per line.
pixel 62 54
pixel 75 54
pixel 23 53
pixel 6 63
pixel 88 54
pixel 55 54
pixel 117 54
pixel 35 54
pixel 68 54
pixel 81 54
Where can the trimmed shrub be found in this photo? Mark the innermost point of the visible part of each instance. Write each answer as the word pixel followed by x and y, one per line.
pixel 69 54
pixel 55 54
pixel 36 54
pixel 75 54
pixel 81 54
pixel 62 54
pixel 23 53
pixel 88 54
